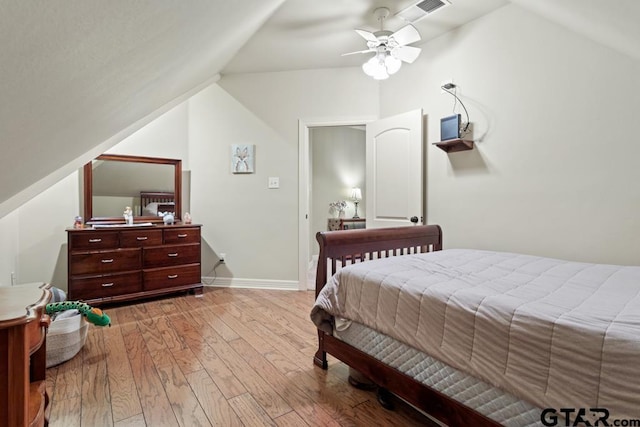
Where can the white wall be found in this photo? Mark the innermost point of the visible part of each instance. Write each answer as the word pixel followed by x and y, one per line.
pixel 338 165
pixel 556 171
pixel 34 241
pixel 258 227
pixel 33 237
pixel 42 250
pixel 8 247
pixel 167 137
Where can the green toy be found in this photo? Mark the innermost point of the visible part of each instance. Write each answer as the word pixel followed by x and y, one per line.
pixel 92 314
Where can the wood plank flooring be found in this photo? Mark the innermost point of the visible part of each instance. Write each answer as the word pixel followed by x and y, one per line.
pixel 236 357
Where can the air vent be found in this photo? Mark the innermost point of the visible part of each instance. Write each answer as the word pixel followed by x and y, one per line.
pixel 421 9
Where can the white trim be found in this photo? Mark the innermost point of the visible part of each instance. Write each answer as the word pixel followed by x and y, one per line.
pixel 232 282
pixel 304 183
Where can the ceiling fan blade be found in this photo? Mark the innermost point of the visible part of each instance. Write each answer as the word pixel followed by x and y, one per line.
pixel 359 51
pixel 406 35
pixel 406 53
pixel 368 36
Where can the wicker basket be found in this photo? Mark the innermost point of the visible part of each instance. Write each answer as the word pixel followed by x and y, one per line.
pixel 65 338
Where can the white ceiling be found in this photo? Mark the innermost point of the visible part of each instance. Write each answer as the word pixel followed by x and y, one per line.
pixel 611 23
pixel 74 73
pixel 305 34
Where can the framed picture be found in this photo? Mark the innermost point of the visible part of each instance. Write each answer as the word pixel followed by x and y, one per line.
pixel 242 158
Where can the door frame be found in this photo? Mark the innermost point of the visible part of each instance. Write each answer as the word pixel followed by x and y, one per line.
pixel 304 183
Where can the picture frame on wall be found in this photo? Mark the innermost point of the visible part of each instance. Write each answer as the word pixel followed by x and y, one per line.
pixel 242 158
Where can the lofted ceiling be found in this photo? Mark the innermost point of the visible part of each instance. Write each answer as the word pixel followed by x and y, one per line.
pixel 306 34
pixel 75 73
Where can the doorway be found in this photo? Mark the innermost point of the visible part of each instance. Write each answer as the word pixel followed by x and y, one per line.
pixel 395 178
pixel 331 163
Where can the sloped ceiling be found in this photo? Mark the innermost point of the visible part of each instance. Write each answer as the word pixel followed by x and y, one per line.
pixel 314 34
pixel 75 73
pixel 610 23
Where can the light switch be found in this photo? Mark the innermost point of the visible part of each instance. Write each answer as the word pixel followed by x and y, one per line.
pixel 274 182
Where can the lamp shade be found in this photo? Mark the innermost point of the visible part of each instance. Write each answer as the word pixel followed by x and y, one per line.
pixel 392 64
pixel 381 66
pixel 356 194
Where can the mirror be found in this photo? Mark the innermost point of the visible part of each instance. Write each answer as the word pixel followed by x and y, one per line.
pixel 148 185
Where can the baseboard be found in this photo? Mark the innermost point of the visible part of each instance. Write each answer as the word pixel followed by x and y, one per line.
pixel 232 282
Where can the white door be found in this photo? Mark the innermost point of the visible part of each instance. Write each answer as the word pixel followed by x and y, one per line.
pixel 395 177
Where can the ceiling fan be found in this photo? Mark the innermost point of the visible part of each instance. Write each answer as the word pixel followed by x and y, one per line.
pixel 391 48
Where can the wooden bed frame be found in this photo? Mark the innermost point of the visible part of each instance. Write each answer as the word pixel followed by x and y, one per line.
pixel 344 247
pixel 165 200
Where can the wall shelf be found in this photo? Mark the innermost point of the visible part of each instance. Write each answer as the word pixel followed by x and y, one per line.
pixel 453 145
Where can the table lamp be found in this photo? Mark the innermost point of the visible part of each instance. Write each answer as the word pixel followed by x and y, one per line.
pixel 356 196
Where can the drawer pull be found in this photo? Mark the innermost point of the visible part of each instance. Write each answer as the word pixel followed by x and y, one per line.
pixel 175 254
pixel 95 240
pixel 182 236
pixel 142 238
pixel 45 321
pixel 107 261
pixel 172 276
pixel 107 285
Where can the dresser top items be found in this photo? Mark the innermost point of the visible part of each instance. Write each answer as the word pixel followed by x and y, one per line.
pixel 120 227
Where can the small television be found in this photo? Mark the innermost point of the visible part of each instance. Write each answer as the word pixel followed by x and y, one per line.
pixel 450 127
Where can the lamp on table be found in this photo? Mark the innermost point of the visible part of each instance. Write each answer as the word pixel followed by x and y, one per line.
pixel 356 196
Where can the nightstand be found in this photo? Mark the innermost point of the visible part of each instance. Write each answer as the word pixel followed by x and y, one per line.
pixel 334 224
pixel 23 330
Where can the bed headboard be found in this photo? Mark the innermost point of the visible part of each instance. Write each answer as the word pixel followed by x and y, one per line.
pixel 165 200
pixel 349 246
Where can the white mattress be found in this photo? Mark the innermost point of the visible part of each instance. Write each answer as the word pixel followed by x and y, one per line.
pixel 555 333
pixel 490 401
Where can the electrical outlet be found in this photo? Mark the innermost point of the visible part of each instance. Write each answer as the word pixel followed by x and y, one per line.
pixel 223 257
pixel 13 278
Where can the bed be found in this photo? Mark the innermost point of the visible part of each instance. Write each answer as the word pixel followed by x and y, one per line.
pixel 153 202
pixel 478 337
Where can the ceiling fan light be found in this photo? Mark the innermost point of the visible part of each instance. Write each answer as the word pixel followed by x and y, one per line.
pixel 370 66
pixel 392 64
pixel 376 68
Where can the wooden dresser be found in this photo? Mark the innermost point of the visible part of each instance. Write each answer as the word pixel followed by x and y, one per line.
pixel 23 355
pixel 126 263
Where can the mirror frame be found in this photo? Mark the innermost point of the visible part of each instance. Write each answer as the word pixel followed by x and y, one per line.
pixel 88 188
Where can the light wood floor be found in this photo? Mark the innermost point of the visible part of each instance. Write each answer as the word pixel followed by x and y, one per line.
pixel 232 358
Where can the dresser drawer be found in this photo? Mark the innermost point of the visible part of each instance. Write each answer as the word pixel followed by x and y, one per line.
pixel 168 277
pixel 101 262
pixel 164 256
pixel 93 240
pixel 105 286
pixel 137 238
pixel 182 235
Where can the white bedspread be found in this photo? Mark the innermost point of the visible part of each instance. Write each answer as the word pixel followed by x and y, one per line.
pixel 558 334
